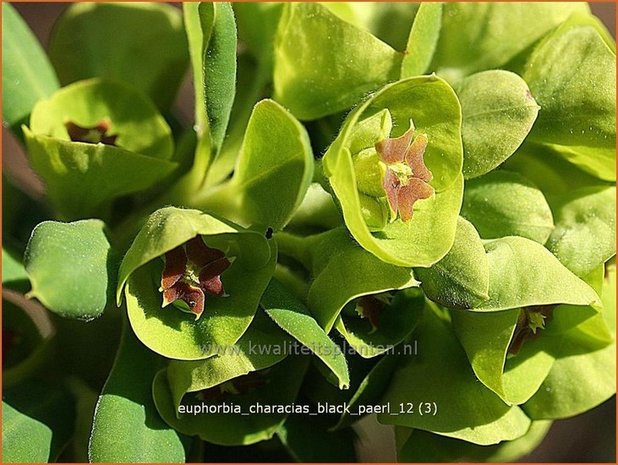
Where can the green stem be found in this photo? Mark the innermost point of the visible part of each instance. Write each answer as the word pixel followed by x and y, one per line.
pixel 292 280
pixel 294 246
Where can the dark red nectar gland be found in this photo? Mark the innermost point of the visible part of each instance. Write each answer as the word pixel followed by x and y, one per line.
pixel 371 308
pixel 407 178
pixel 91 135
pixel 193 271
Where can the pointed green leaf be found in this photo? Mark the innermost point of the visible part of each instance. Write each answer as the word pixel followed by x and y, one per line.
pixel 504 203
pixel 126 425
pixel 498 112
pixel 294 318
pixel 71 267
pixel 27 76
pixel 141 44
pixel 422 40
pixel 219 65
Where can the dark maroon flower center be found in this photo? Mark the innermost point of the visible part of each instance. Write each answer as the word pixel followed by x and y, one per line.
pixel 371 308
pixel 91 135
pixel 193 271
pixel 407 178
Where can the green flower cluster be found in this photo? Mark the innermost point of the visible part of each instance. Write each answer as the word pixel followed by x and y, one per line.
pixel 406 209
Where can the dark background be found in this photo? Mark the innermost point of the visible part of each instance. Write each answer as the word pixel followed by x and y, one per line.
pixel 590 437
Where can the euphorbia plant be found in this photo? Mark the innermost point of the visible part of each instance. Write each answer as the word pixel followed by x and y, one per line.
pixel 399 209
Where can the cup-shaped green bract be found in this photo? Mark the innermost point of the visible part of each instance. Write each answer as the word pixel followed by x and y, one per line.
pixel 94 141
pixel 229 297
pixel 423 232
pixel 374 324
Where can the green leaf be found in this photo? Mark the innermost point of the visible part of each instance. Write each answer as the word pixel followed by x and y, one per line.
pixel 579 102
pixel 211 33
pixel 273 171
pixel 141 44
pixel 126 425
pixel 481 36
pixel 334 255
pixel 441 373
pixel 14 275
pixel 27 76
pixel 433 107
pixel 324 64
pixel 461 278
pixel 395 322
pixel 422 40
pixel 308 439
pixel 37 422
pixel 219 65
pixel 175 334
pixel 426 447
pixel 82 178
pixel 523 273
pixel 498 112
pixel 71 268
pixel 585 234
pixel 504 203
pixel 294 318
pixel 278 386
pixel 260 347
